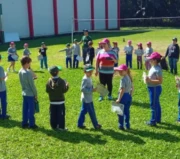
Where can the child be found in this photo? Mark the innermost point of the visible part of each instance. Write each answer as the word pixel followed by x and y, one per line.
pixel 178 86
pixel 68 51
pixel 129 50
pixel 90 52
pixel 42 52
pixel 148 52
pixel 116 50
pixel 56 87
pixel 139 52
pixel 154 81
pixel 77 52
pixel 86 97
pixel 100 47
pixel 26 51
pixel 125 95
pixel 3 94
pixel 29 93
pixel 11 53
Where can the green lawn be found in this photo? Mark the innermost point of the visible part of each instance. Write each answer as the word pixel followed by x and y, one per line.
pixel 141 142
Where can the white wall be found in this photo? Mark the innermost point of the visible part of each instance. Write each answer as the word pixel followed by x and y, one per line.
pixel 65 14
pixel 99 13
pixel 84 12
pixel 43 17
pixel 112 13
pixel 15 17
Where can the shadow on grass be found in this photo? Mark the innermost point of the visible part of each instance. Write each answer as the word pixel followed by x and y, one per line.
pixel 10 123
pixel 139 104
pixel 38 71
pixel 168 126
pixel 156 136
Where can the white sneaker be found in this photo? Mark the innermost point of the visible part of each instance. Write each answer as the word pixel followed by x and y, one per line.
pixel 65 129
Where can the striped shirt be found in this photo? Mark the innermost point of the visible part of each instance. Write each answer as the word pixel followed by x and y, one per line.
pixel 106 64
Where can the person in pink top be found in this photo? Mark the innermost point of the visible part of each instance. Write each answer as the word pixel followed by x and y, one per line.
pixel 105 61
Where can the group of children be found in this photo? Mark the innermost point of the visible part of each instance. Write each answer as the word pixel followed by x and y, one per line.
pixel 56 86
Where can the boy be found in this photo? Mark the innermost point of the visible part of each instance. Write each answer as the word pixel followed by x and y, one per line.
pixel 29 93
pixel 90 53
pixel 86 97
pixel 77 52
pixel 56 87
pixel 116 50
pixel 3 95
pixel 68 51
pixel 42 52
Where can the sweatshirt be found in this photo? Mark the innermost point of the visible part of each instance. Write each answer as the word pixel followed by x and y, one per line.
pixel 173 51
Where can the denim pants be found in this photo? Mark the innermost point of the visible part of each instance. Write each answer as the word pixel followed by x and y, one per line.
pixel 126 100
pixel 154 95
pixel 139 62
pixel 3 98
pixel 84 55
pixel 179 108
pixel 75 62
pixel 173 65
pixel 44 62
pixel 129 60
pixel 68 61
pixel 28 111
pixel 87 108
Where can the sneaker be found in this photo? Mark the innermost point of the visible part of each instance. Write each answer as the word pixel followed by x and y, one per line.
pixel 8 69
pixel 61 129
pixel 100 99
pixel 121 128
pixel 98 126
pixel 25 126
pixel 6 117
pixel 34 127
pixel 150 124
pixel 110 98
pixel 82 127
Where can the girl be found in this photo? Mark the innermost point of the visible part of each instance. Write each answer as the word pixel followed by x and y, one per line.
pixel 42 51
pixel 148 52
pixel 125 95
pixel 129 50
pixel 100 47
pixel 11 54
pixel 139 52
pixel 116 50
pixel 154 81
pixel 26 51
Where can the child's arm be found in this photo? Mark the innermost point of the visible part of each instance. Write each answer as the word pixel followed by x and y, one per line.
pixel 159 80
pixel 84 88
pixel 65 87
pixel 62 50
pixel 121 93
pixel 31 83
pixel 2 74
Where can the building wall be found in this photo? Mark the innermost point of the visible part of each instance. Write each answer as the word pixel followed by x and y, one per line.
pixel 112 13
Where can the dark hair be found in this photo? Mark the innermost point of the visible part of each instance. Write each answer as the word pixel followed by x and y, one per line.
pixel 25 60
pixel 0 57
pixel 163 64
pixel 54 74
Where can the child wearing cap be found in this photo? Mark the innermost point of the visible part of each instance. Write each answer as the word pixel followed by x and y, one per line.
pixel 90 52
pixel 43 52
pixel 56 87
pixel 26 51
pixel 148 52
pixel 100 47
pixel 29 94
pixel 3 94
pixel 12 53
pixel 77 52
pixel 128 51
pixel 68 51
pixel 116 50
pixel 154 81
pixel 87 99
pixel 125 95
pixel 139 52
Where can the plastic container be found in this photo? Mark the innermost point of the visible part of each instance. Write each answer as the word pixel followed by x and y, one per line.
pixel 118 108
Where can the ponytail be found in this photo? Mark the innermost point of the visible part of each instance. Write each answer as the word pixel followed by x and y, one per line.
pixel 129 74
pixel 163 63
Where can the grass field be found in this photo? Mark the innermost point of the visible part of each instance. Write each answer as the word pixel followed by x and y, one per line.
pixel 142 142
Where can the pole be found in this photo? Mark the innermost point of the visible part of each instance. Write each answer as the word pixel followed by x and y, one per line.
pixel 72 30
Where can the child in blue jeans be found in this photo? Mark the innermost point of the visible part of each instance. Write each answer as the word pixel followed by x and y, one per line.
pixel 125 95
pixel 68 51
pixel 87 101
pixel 178 87
pixel 3 95
pixel 43 52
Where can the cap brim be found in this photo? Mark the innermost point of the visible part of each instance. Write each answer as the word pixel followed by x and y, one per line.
pixel 59 68
pixel 118 69
pixel 89 69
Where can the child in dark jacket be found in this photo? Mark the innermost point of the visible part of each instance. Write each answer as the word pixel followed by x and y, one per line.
pixel 90 53
pixel 56 87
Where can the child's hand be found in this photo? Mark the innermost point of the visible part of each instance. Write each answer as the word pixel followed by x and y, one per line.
pixel 117 101
pixel 67 84
pixel 148 80
pixel 96 73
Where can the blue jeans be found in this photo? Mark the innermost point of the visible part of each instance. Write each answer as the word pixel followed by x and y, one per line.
pixel 75 62
pixel 44 61
pixel 126 100
pixel 179 108
pixel 129 60
pixel 68 60
pixel 87 108
pixel 3 98
pixel 173 65
pixel 154 95
pixel 28 111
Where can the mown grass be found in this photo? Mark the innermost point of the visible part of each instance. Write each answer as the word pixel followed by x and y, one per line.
pixel 141 142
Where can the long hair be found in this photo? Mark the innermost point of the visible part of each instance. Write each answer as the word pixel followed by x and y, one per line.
pixel 129 74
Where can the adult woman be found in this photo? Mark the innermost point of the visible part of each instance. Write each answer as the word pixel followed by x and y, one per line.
pixel 12 56
pixel 106 59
